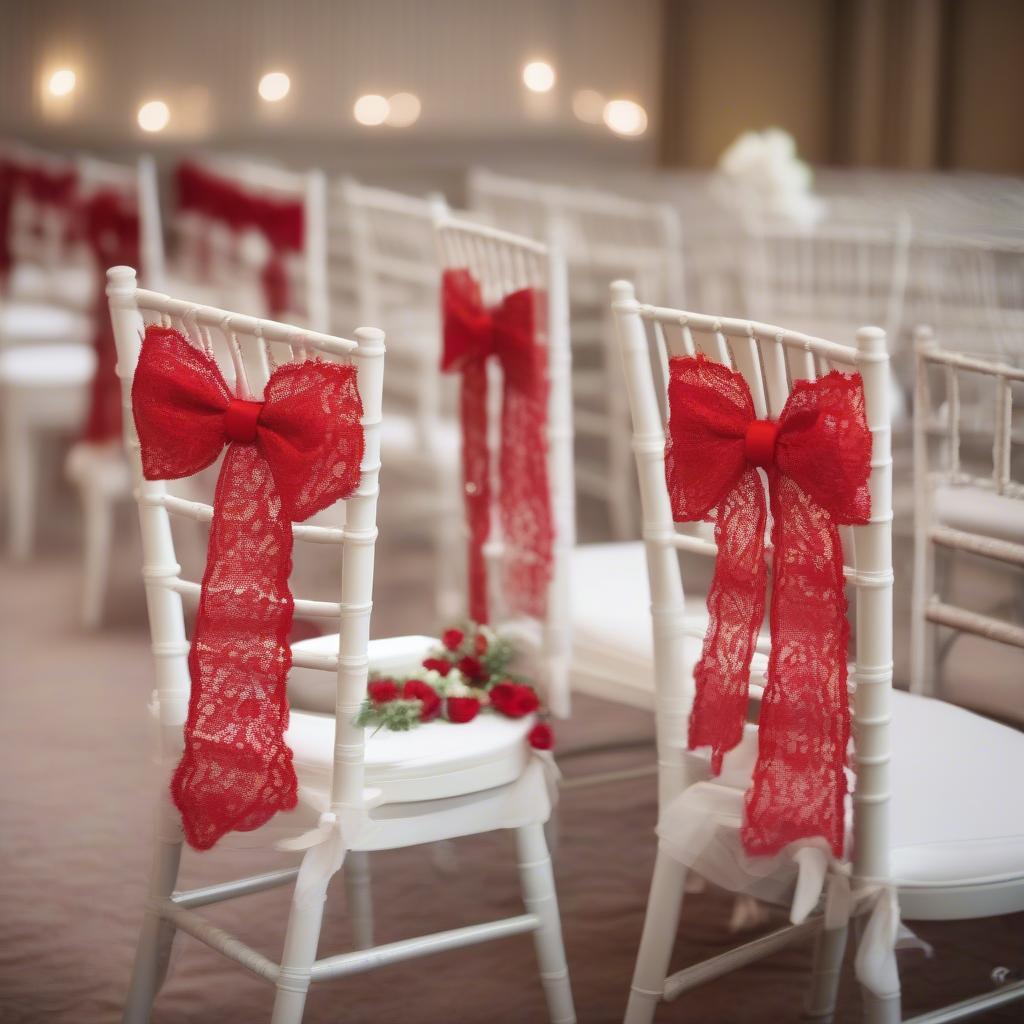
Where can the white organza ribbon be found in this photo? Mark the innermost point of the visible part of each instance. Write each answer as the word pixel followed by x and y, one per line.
pixel 883 933
pixel 326 846
pixel 552 773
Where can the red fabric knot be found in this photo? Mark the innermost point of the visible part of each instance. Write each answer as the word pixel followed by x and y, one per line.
pixel 511 333
pixel 240 420
pixel 759 442
pixel 236 770
pixel 817 458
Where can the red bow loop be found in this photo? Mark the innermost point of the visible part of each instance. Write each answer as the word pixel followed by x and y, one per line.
pixel 817 459
pixel 290 456
pixel 509 332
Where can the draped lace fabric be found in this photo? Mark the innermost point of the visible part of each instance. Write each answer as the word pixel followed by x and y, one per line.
pixel 110 225
pixel 817 462
pixel 300 454
pixel 511 333
pixel 281 223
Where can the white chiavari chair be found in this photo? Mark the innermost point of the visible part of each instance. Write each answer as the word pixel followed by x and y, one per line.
pixel 604 236
pixel 390 246
pixel 217 262
pixel 967 504
pixel 359 784
pixel 935 811
pixel 45 384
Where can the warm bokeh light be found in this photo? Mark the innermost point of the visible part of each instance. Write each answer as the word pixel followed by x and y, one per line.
pixel 588 105
pixel 62 82
pixel 371 109
pixel 403 109
pixel 274 86
pixel 539 76
pixel 625 117
pixel 154 116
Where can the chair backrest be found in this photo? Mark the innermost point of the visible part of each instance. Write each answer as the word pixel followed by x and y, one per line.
pixel 847 269
pixel 769 358
pixel 138 184
pixel 212 250
pixel 504 263
pixel 37 206
pixel 256 346
pixel 604 236
pixel 975 468
pixel 390 243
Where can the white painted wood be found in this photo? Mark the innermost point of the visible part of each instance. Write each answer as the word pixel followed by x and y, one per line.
pixel 867 554
pixel 503 263
pixel 347 798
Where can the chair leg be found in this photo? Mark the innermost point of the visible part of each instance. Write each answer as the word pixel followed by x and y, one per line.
pixel 21 459
pixel 660 924
pixel 359 897
pixel 154 950
pixel 98 510
pixel 300 945
pixel 828 968
pixel 539 896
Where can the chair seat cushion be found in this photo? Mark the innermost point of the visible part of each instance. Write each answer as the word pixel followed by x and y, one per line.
pixel 430 762
pixel 45 366
pixel 73 286
pixel 957 816
pixel 30 323
pixel 978 510
pixel 100 467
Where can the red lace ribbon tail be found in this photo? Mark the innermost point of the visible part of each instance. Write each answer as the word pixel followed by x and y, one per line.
pixel 103 420
pixel 799 782
pixel 476 481
pixel 525 501
pixel 735 611
pixel 275 286
pixel 236 770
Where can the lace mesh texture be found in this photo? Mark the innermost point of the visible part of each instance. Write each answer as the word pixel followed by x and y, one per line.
pixel 817 460
pixel 300 454
pixel 511 333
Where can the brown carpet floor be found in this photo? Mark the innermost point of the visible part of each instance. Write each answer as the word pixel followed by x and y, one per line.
pixel 75 820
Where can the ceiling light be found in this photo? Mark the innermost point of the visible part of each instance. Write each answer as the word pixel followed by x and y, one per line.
pixel 403 109
pixel 274 86
pixel 154 116
pixel 625 117
pixel 371 109
pixel 539 76
pixel 62 82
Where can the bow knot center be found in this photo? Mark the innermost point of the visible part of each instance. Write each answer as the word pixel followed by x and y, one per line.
pixel 240 420
pixel 759 442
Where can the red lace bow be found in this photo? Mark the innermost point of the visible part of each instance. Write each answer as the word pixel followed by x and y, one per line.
pixel 110 226
pixel 287 457
pixel 280 221
pixel 508 332
pixel 44 185
pixel 817 458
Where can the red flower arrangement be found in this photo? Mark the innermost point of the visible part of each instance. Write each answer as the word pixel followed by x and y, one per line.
pixel 468 673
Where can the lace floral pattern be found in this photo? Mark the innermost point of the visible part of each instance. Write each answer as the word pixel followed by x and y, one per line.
pixel 300 454
pixel 511 332
pixel 817 461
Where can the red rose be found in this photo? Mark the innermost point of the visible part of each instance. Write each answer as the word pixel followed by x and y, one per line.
pixel 452 638
pixel 471 668
pixel 416 689
pixel 461 709
pixel 381 691
pixel 480 644
pixel 541 736
pixel 438 665
pixel 513 699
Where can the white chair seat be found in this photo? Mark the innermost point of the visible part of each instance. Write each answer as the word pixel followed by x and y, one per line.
pixel 957 813
pixel 30 323
pixel 73 286
pixel 612 645
pixel 401 439
pixel 431 762
pixel 47 366
pixel 978 510
pixel 101 467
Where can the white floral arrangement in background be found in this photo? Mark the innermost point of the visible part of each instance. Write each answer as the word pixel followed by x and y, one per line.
pixel 760 175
